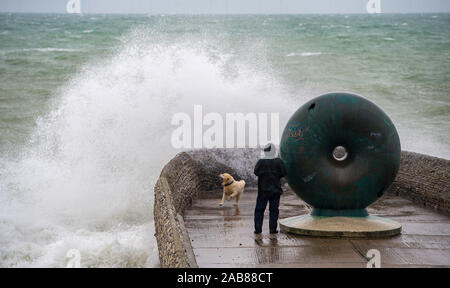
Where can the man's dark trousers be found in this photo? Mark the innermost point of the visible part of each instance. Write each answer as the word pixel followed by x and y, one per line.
pixel 261 204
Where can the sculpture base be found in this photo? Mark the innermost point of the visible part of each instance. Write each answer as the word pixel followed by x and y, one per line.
pixel 351 227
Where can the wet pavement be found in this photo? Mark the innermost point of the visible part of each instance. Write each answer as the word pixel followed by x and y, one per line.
pixel 223 236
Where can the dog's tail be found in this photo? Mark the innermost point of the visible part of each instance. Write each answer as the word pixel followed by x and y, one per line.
pixel 243 182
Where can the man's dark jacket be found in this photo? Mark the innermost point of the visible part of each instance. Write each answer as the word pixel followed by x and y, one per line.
pixel 269 172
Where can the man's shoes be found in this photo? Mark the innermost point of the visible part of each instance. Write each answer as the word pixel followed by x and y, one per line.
pixel 274 232
pixel 257 232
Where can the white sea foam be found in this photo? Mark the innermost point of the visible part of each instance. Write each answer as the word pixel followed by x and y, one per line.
pixel 308 54
pixel 51 49
pixel 304 54
pixel 85 181
pixel 44 50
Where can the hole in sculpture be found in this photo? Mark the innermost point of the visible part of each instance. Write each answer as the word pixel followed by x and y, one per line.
pixel 340 153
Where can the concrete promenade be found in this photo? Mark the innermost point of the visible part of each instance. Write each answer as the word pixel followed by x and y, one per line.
pixel 223 236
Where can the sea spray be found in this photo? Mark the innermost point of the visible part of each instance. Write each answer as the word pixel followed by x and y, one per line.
pixel 85 180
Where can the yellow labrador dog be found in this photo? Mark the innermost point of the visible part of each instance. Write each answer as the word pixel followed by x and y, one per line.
pixel 231 188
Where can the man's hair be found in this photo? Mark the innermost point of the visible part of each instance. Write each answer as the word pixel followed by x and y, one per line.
pixel 268 148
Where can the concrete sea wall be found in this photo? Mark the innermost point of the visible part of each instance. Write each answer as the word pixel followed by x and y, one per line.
pixel 423 179
pixel 180 181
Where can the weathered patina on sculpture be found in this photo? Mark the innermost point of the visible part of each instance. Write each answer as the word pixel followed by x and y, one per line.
pixel 341 152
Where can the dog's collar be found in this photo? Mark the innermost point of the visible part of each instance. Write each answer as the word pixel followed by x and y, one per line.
pixel 228 184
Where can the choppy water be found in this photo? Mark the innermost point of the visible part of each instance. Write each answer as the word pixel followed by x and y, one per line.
pixel 86 103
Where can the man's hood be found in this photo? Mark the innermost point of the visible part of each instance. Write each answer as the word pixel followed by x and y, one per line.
pixel 269 151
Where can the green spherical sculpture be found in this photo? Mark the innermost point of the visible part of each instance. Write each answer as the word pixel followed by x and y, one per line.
pixel 341 153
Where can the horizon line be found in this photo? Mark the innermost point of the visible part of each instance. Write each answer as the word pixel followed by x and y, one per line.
pixel 219 14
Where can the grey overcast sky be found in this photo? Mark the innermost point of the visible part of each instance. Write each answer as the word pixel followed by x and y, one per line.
pixel 226 6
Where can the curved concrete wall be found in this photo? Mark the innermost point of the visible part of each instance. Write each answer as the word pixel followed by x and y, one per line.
pixel 424 180
pixel 180 181
pixel 421 178
pixel 171 198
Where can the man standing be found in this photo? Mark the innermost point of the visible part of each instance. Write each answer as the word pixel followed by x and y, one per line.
pixel 269 171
